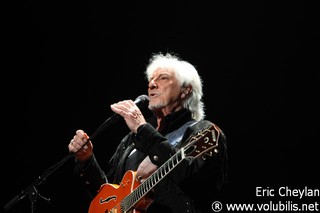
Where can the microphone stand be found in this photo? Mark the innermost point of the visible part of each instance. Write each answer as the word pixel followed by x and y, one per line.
pixel 32 191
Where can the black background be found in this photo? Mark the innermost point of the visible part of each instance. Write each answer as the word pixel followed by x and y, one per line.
pixel 67 61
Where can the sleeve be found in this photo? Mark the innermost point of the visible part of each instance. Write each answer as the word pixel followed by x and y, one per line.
pixel 91 176
pixel 151 142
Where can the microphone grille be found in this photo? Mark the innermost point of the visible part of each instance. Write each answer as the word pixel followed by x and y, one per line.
pixel 142 102
pixel 142 99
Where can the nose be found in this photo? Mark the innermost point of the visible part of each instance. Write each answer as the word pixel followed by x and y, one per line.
pixel 152 84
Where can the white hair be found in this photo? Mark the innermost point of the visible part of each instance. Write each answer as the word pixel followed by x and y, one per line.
pixel 186 74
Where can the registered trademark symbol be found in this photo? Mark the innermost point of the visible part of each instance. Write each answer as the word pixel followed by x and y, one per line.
pixel 216 206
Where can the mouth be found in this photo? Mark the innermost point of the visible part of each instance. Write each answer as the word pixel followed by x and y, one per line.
pixel 153 95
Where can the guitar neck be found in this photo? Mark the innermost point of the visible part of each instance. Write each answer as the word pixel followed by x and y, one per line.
pixel 129 201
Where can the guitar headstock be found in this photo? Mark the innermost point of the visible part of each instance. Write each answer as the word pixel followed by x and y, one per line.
pixel 203 143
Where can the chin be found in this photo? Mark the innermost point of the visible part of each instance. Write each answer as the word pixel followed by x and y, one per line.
pixel 155 106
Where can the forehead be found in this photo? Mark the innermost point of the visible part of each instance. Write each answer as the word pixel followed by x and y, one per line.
pixel 162 71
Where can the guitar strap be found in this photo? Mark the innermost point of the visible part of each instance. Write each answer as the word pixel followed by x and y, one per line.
pixel 146 167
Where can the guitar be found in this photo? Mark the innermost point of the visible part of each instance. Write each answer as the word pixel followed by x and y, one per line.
pixel 132 196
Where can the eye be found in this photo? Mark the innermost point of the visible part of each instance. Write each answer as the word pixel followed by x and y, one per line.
pixel 164 77
pixel 161 77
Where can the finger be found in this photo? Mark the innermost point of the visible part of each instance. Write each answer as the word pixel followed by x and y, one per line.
pixel 126 109
pixel 115 108
pixel 85 136
pixel 120 109
pixel 72 147
pixel 80 133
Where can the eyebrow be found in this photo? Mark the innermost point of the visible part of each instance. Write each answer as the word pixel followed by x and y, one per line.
pixel 161 74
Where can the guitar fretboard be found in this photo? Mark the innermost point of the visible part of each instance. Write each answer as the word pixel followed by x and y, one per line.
pixel 128 202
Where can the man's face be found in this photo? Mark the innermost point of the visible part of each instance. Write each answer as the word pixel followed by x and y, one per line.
pixel 164 90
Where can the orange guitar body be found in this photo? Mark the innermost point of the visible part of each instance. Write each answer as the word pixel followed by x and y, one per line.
pixel 110 195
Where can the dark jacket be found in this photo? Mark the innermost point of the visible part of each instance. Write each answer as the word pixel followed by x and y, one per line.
pixel 186 187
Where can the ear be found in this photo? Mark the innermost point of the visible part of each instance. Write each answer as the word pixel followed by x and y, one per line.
pixel 186 91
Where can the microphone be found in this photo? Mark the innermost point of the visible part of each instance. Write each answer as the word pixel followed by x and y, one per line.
pixel 141 102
